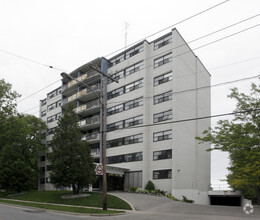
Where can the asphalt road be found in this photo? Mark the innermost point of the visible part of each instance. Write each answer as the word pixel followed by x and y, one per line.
pixel 147 208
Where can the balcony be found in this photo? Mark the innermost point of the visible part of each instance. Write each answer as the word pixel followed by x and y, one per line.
pixel 90 123
pixel 89 93
pixel 92 138
pixel 89 108
pixel 84 95
pixel 91 76
pixel 95 152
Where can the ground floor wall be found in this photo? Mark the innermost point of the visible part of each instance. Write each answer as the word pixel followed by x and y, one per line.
pixel 199 197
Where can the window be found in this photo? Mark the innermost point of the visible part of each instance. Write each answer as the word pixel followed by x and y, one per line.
pixel 51 131
pixel 118 59
pixel 133 86
pixel 162 97
pixel 133 179
pixel 125 158
pixel 115 93
pixel 115 109
pixel 162 174
pixel 115 142
pixel 162 79
pixel 133 139
pixel 163 60
pixel 134 121
pixel 125 123
pixel 42 158
pixel 48 167
pixel 48 179
pixel 42 180
pixel 134 103
pixel 162 135
pixel 134 68
pixel 125 89
pixel 134 51
pixel 51 119
pixel 125 106
pixel 163 154
pixel 116 76
pixel 54 93
pixel 115 126
pixel 163 116
pixel 43 113
pixel 42 169
pixel 54 105
pixel 162 42
pixel 44 102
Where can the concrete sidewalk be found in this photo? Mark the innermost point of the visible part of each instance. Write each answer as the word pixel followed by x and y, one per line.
pixel 150 203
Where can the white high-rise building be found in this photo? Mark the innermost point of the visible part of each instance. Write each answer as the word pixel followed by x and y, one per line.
pixel 151 116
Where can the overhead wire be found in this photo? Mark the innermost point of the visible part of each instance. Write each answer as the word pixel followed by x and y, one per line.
pixel 164 29
pixel 223 66
pixel 195 89
pixel 31 60
pixel 190 51
pixel 214 32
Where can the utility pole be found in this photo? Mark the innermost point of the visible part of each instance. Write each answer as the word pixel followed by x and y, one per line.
pixel 104 177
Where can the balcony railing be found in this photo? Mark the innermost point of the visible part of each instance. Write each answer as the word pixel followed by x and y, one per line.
pixel 92 137
pixel 87 106
pixel 89 121
pixel 79 79
pixel 95 152
pixel 84 92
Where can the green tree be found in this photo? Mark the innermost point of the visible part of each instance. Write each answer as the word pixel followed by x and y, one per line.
pixel 72 164
pixel 7 98
pixel 7 105
pixel 240 137
pixel 21 142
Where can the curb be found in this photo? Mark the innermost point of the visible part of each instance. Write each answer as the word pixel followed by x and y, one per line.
pixel 131 205
pixel 58 211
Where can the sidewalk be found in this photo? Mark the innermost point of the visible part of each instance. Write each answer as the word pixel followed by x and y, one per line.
pixel 65 205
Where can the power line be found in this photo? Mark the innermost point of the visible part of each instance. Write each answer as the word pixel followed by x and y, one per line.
pixel 191 50
pixel 241 61
pixel 31 60
pixel 38 91
pixel 239 22
pixel 177 23
pixel 188 119
pixel 31 109
pixel 215 41
pixel 52 67
pixel 195 89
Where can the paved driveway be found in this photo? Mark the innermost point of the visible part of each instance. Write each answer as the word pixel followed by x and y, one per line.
pixel 149 203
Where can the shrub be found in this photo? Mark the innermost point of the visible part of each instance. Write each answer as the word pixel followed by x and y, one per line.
pixel 150 186
pixel 172 197
pixel 133 189
pixel 187 200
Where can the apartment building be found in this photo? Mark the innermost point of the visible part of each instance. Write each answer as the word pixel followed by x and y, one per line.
pixel 150 116
pixel 50 111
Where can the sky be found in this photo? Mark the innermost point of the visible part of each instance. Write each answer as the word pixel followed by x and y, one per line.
pixel 66 34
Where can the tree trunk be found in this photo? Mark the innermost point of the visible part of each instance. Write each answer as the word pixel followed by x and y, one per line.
pixel 258 196
pixel 78 187
pixel 74 189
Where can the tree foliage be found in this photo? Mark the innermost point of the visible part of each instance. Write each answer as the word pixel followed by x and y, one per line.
pixel 21 142
pixel 72 164
pixel 7 98
pixel 240 137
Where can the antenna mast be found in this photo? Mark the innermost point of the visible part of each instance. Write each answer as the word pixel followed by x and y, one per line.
pixel 126 26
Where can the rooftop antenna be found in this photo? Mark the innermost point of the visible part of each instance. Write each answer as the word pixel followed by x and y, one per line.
pixel 126 26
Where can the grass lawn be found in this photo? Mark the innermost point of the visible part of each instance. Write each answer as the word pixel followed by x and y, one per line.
pixel 61 208
pixel 94 200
